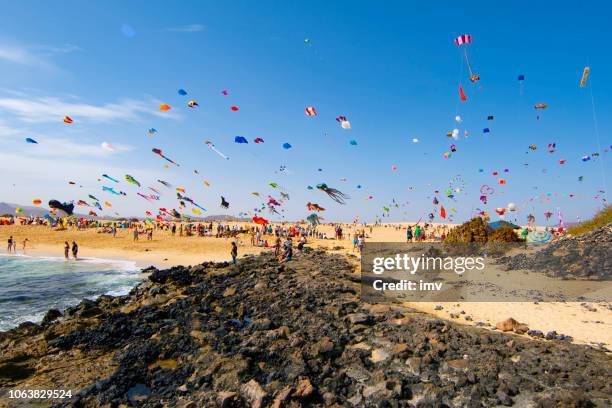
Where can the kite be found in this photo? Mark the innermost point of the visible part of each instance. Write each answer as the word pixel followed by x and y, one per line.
pixel 500 211
pixel 164 107
pixel 206 183
pixel 107 204
pixel 84 203
pixel 224 204
pixel 255 193
pixel 98 206
pixel 490 117
pixel 165 183
pixel 224 92
pixel 462 94
pixel 93 197
pixel 585 75
pixel 540 106
pixel 260 220
pixel 196 211
pixel 286 146
pixel 442 211
pixel 274 185
pixel 214 149
pixel 192 104
pixel 464 40
pixel 240 139
pixel 415 140
pixel 67 208
pixel 152 131
pixel 313 220
pixel 501 181
pixel 182 92
pixel 314 207
pixel 586 158
pixel 30 140
pixel 132 180
pixel 93 214
pixel 110 178
pixel 160 154
pixel 353 143
pixel 334 194
pixel 110 190
pixel 180 189
pixel 68 119
pixel 344 123
pixel 521 78
pixel 486 130
pixel 394 167
pixel 234 108
pixel 36 201
pixel 149 197
pixel 310 111
pixel 258 140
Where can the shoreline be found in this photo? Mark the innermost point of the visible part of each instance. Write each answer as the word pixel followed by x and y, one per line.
pixel 165 251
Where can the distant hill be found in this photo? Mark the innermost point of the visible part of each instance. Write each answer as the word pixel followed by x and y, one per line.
pixel 28 210
pixel 9 209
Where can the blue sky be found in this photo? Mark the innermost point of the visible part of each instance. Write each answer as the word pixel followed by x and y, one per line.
pixel 391 68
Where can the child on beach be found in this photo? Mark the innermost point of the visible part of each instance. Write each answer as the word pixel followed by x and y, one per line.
pixel 234 252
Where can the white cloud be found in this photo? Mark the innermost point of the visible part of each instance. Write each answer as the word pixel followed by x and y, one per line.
pixel 191 28
pixel 20 55
pixel 53 109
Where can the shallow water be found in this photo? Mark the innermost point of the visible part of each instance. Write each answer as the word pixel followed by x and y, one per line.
pixel 30 286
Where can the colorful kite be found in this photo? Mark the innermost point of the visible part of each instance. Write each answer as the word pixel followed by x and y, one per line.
pixel 132 180
pixel 333 193
pixel 30 140
pixel 585 75
pixel 310 111
pixel 160 154
pixel 212 147
pixel 240 139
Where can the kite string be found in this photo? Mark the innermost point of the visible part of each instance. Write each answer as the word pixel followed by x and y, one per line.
pixel 468 61
pixel 596 127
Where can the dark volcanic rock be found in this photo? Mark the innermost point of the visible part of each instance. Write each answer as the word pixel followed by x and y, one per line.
pixel 207 337
pixel 582 256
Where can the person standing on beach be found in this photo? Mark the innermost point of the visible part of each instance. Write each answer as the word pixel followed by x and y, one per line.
pixel 361 243
pixel 23 244
pixel 135 234
pixel 66 249
pixel 234 252
pixel 9 245
pixel 75 250
pixel 409 234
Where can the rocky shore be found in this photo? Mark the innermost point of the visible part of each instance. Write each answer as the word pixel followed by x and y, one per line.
pixel 262 334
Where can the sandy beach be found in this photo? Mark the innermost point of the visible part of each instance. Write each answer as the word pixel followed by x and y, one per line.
pixel 587 323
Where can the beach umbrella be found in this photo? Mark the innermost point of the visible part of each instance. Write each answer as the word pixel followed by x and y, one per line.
pixel 539 237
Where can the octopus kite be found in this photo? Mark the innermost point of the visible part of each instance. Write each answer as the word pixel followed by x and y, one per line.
pixel 336 195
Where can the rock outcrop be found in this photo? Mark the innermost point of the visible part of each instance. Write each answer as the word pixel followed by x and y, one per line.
pixel 262 334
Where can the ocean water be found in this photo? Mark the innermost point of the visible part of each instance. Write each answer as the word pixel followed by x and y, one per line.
pixel 30 286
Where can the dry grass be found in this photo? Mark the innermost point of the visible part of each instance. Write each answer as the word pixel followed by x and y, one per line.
pixel 602 218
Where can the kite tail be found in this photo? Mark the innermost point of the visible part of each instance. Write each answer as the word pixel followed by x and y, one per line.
pixel 337 195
